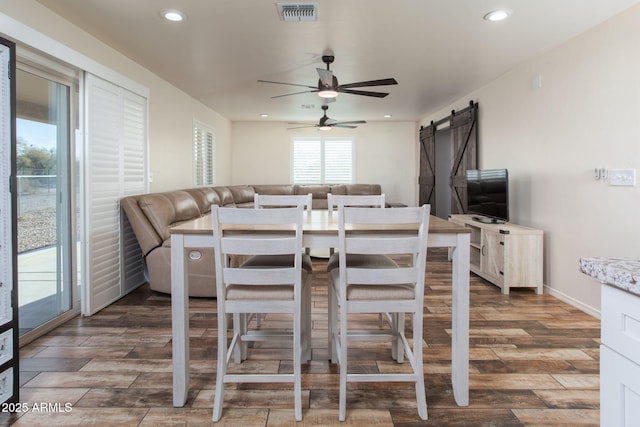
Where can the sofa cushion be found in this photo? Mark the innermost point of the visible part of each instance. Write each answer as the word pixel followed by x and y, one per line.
pixel 226 197
pixel 339 189
pixel 278 190
pixel 204 197
pixel 363 189
pixel 165 209
pixel 317 191
pixel 242 195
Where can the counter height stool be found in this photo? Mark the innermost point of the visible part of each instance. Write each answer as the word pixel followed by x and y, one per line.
pixel 334 201
pixel 391 289
pixel 244 290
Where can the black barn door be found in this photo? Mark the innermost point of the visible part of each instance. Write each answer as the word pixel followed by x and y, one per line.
pixel 463 126
pixel 427 177
pixel 464 146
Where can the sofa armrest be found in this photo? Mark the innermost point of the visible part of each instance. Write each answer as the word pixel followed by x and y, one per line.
pixel 146 235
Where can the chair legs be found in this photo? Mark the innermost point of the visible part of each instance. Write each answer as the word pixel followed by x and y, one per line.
pixel 301 350
pixel 421 396
pixel 338 350
pixel 221 368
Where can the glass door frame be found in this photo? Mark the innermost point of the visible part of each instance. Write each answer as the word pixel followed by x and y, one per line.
pixel 67 257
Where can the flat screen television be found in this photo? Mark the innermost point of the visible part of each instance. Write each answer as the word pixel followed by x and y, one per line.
pixel 488 195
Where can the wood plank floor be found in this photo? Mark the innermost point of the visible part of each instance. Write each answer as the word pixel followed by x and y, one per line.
pixel 534 361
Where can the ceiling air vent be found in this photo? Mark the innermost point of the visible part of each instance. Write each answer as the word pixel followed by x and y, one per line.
pixel 294 12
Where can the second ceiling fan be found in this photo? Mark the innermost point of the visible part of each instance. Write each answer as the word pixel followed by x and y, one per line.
pixel 328 86
pixel 327 123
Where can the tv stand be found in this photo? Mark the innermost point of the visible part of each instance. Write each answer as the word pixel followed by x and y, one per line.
pixel 487 219
pixel 505 254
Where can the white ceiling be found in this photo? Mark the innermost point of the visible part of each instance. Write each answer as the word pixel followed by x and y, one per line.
pixel 437 50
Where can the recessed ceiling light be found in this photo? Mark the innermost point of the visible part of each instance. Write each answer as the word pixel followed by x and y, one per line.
pixel 264 116
pixel 386 116
pixel 498 15
pixel 172 15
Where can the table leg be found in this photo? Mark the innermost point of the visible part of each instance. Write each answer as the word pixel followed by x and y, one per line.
pixel 460 321
pixel 179 320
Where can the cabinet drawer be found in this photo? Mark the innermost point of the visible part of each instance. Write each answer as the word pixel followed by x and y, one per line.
pixel 6 385
pixel 619 390
pixel 621 322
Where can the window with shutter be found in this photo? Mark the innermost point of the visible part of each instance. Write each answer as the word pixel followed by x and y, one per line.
pixel 204 155
pixel 322 161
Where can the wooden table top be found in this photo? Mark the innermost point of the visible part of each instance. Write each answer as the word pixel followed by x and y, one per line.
pixel 319 222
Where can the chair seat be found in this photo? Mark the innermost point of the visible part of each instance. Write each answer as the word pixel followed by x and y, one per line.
pixel 374 292
pixel 362 260
pixel 264 261
pixel 263 292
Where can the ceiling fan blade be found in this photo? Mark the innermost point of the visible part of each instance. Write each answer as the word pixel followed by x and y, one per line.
pixel 326 76
pixel 338 125
pixel 330 121
pixel 363 92
pixel 288 84
pixel 355 122
pixel 381 82
pixel 295 93
pixel 302 127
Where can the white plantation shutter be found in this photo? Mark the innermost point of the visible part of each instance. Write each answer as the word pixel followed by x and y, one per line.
pixel 116 129
pixel 134 163
pixel 322 161
pixel 338 161
pixel 204 155
pixel 307 161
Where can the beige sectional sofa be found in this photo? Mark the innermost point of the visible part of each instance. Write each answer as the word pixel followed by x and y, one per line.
pixel 152 215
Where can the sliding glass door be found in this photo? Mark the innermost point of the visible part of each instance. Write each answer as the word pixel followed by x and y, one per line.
pixel 45 107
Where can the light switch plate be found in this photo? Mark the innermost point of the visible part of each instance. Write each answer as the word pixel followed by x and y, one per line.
pixel 625 177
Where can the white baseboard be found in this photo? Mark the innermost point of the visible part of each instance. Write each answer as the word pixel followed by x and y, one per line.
pixel 572 301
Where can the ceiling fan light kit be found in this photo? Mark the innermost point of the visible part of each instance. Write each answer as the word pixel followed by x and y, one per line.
pixel 327 93
pixel 328 86
pixel 326 123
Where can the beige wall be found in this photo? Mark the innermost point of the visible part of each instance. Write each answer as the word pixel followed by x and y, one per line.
pixel 585 115
pixel 384 154
pixel 171 111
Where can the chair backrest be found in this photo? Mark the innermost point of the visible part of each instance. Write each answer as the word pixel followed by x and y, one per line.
pixel 372 201
pixel 256 232
pixel 283 200
pixel 408 230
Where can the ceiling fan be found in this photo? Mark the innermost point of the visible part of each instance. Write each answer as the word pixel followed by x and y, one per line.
pixel 328 86
pixel 327 123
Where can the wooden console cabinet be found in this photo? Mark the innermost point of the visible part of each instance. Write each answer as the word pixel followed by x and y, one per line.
pixel 507 255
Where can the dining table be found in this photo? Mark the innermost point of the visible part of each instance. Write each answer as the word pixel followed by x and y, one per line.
pixel 320 231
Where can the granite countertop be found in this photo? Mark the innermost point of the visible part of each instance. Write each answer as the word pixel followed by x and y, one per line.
pixel 623 273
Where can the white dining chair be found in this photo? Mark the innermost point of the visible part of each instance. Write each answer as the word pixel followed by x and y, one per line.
pixel 334 201
pixel 370 200
pixel 244 290
pixel 283 200
pixel 267 201
pixel 393 290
